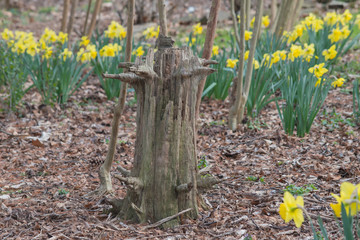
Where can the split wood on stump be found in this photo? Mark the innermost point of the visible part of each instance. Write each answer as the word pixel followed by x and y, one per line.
pixel 163 180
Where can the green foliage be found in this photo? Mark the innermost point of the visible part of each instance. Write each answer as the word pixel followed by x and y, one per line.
pixel 333 121
pixel 294 190
pixel 12 76
pixel 255 179
pixel 202 163
pixel 63 191
pixel 302 100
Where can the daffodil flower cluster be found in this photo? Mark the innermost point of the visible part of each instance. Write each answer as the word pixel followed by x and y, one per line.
pixel 110 50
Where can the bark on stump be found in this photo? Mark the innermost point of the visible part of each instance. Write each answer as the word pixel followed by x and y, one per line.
pixel 163 180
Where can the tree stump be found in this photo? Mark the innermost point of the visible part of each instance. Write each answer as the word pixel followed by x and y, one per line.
pixel 163 180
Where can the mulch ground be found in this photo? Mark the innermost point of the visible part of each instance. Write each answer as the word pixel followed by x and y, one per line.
pixel 49 158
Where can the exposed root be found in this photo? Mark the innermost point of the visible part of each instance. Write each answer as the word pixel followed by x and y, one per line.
pixel 162 221
pixel 184 187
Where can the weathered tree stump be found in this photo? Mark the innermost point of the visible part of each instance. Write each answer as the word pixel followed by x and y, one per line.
pixel 163 180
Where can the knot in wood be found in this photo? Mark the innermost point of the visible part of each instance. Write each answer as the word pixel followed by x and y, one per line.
pixel 164 42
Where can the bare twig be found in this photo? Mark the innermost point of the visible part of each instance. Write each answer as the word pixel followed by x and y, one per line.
pixel 93 18
pixel 130 78
pixel 87 17
pixel 162 221
pixel 72 16
pixel 208 45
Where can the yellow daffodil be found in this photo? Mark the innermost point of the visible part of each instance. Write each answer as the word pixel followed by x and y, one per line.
pixel 248 35
pixel 291 209
pixel 256 64
pixel 246 55
pixel 84 41
pixel 309 19
pixel 91 48
pixel 187 40
pixel 299 29
pixel 319 81
pixel 215 50
pixel 357 21
pixel 349 196
pixel 49 36
pixel 7 34
pixel 308 52
pixel 345 32
pixel 330 53
pixel 48 52
pixel 197 29
pixel 338 82
pixel 275 57
pixel 110 50
pixel 317 25
pixel 19 47
pixel 346 16
pixel 336 35
pixel 266 58
pixel 252 22
pixel 318 70
pixel 139 51
pixel 231 63
pixel 62 37
pixel 66 54
pixel 295 52
pixel 151 32
pixel 331 18
pixel 265 21
pixel 115 30
pixel 32 49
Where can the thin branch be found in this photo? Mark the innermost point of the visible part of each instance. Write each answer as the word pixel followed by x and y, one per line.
pixel 162 221
pixel 72 16
pixel 87 17
pixel 93 18
pixel 130 78
pixel 162 17
pixel 197 71
pixel 208 45
pixel 126 65
pixel 206 62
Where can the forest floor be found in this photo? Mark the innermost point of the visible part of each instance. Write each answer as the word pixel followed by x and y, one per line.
pixel 49 159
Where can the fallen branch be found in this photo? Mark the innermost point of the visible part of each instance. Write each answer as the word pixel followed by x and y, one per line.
pixel 126 65
pixel 206 62
pixel 162 221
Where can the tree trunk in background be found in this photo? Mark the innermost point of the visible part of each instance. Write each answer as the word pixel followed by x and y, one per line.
pixel 163 180
pixel 65 15
pixel 284 15
pixel 72 16
pixel 296 10
pixel 93 18
pixel 273 11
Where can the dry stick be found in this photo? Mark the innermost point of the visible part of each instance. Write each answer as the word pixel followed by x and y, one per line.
pixel 249 68
pixel 65 15
pixel 162 221
pixel 72 16
pixel 162 17
pixel 247 13
pixel 209 41
pixel 241 42
pixel 105 179
pixel 93 18
pixel 87 17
